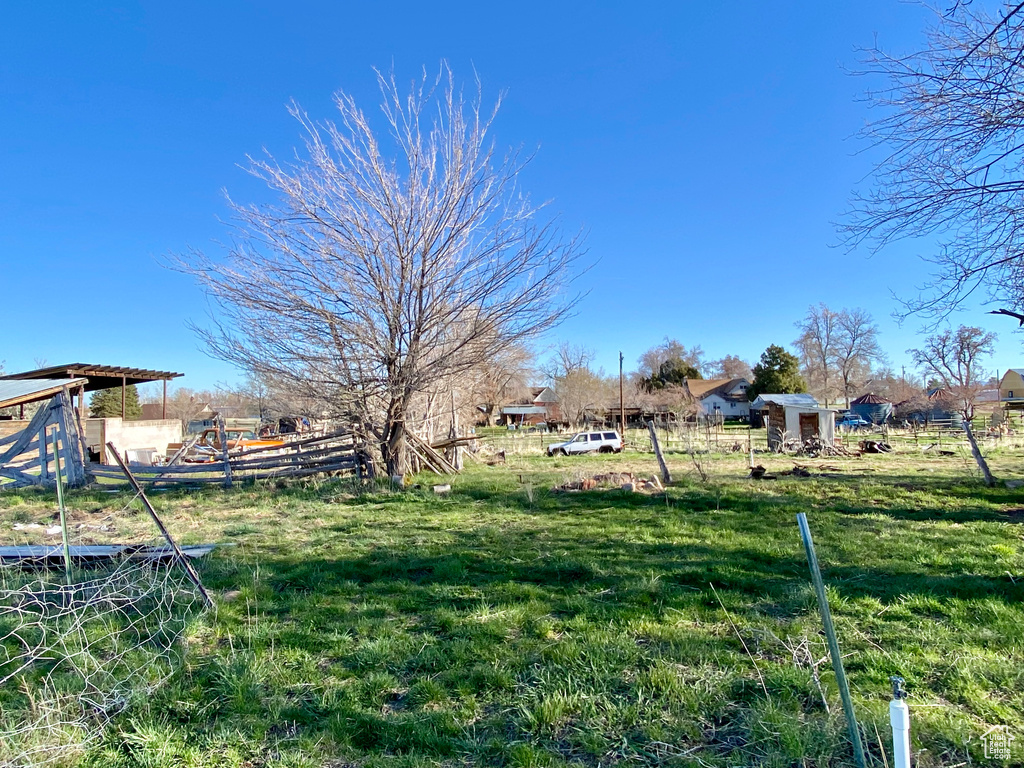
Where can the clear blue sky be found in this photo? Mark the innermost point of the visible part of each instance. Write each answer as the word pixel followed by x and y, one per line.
pixel 704 147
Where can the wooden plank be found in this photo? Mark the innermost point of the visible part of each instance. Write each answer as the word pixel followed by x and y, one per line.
pixel 346 463
pixel 347 436
pixel 10 438
pixel 28 434
pixel 212 474
pixel 294 458
pixel 20 476
pixel 431 456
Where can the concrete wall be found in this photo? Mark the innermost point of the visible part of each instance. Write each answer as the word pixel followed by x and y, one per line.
pixel 131 435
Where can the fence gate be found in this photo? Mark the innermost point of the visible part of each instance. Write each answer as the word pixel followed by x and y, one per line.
pixel 27 457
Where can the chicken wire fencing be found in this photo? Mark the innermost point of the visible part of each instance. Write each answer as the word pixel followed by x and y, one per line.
pixel 78 646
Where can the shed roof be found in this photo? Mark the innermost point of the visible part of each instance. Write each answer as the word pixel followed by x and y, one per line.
pixel 801 399
pixel 100 376
pixel 17 392
pixel 870 399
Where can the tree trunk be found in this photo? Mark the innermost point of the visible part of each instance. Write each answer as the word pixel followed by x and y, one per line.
pixel 976 452
pixel 394 451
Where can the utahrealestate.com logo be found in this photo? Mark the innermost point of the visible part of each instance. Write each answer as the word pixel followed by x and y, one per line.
pixel 997 741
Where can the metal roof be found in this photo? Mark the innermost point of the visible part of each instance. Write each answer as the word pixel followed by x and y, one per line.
pixel 870 399
pixel 17 392
pixel 100 376
pixel 803 399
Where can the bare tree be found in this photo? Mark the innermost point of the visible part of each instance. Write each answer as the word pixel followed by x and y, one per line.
pixel 730 367
pixel 582 392
pixel 952 133
pixel 566 358
pixel 818 345
pixel 501 379
pixel 897 388
pixel 376 275
pixel 954 357
pixel 856 349
pixel 183 403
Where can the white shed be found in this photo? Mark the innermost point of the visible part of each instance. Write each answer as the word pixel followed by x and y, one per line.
pixel 805 422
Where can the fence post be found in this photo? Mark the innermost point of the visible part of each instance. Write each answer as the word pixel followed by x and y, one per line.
pixel 224 450
pixel 63 511
pixel 833 642
pixel 666 476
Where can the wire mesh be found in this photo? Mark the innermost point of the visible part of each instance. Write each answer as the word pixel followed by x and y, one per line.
pixel 76 649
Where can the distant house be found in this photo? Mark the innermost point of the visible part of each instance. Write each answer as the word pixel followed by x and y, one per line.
pixel 1011 390
pixel 759 409
pixel 725 397
pixel 541 407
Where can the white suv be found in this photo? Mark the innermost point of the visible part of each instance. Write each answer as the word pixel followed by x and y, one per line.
pixel 587 442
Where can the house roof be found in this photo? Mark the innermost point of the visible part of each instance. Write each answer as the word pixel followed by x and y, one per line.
pixel 99 376
pixel 701 388
pixel 802 399
pixel 16 392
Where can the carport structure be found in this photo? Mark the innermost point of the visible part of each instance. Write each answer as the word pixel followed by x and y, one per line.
pixel 100 377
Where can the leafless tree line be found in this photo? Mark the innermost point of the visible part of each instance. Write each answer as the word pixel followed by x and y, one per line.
pixel 838 350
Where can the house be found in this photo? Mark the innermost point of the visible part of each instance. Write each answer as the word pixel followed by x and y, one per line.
pixel 721 397
pixel 759 409
pixel 541 407
pixel 1011 390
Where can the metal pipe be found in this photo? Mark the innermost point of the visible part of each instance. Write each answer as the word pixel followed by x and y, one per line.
pixel 833 643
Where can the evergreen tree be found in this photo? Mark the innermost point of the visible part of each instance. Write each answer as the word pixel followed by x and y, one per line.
pixel 672 372
pixel 106 403
pixel 777 373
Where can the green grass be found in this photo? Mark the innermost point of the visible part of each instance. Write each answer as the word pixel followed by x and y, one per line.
pixel 507 625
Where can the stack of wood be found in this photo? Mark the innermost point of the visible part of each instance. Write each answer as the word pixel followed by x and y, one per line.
pixel 814 447
pixel 427 457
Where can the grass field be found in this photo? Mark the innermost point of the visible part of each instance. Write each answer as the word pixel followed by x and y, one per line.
pixel 505 624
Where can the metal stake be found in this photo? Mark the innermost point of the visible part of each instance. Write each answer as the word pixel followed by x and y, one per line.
pixel 63 511
pixel 833 643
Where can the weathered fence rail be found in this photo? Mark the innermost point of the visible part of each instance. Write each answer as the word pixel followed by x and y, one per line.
pixel 328 453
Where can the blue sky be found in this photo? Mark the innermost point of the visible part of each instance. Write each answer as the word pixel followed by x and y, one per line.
pixel 705 148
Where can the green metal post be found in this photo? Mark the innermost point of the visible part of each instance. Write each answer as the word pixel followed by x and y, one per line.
pixel 63 511
pixel 833 643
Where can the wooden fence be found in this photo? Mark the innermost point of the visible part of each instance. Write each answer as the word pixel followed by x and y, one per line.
pixel 337 453
pixel 28 457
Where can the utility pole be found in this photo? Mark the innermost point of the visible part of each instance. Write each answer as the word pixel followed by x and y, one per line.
pixel 622 409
